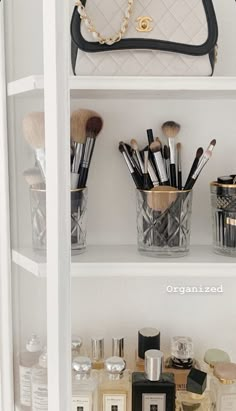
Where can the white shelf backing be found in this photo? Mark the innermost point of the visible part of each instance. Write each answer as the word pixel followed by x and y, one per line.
pixel 118 261
pixel 135 87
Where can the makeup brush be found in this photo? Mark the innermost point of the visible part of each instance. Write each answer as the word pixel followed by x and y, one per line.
pixel 166 155
pixel 170 130
pixel 34 133
pixel 93 128
pixel 150 136
pixel 205 158
pixel 199 153
pixel 155 148
pixel 33 176
pixel 179 166
pixel 162 201
pixel 147 183
pixel 78 121
pixel 134 146
pixel 136 177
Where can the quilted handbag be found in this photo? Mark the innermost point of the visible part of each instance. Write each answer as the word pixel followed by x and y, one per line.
pixel 144 38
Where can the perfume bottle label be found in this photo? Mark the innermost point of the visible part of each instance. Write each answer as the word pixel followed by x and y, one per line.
pixel 25 386
pixel 228 402
pixel 81 403
pixel 154 402
pixel 116 402
pixel 39 397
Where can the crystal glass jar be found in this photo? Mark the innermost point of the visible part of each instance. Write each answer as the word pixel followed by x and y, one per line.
pixel 163 222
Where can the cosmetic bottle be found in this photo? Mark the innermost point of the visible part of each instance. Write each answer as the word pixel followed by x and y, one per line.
pixel 76 345
pixel 181 361
pixel 84 387
pixel 115 386
pixel 212 357
pixel 153 390
pixel 97 345
pixel 27 359
pixel 40 384
pixel 195 397
pixel 223 387
pixel 148 339
pixel 118 347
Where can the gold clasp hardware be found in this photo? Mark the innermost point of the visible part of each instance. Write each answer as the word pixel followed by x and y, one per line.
pixel 144 23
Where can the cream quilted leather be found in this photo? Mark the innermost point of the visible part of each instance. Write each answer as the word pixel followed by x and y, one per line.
pixel 182 21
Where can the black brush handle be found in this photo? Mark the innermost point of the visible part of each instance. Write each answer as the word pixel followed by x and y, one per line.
pixel 137 180
pixel 83 177
pixel 190 184
pixel 193 169
pixel 150 136
pixel 180 180
pixel 173 175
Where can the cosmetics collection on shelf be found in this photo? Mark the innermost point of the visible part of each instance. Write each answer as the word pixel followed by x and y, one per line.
pixel 163 201
pixel 179 382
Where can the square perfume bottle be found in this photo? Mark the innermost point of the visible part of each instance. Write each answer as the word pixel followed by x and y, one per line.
pixel 152 390
pixel 195 397
pixel 181 360
pixel 84 386
pixel 115 386
pixel 223 387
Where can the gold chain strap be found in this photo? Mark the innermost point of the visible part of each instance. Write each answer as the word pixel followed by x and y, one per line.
pixel 97 36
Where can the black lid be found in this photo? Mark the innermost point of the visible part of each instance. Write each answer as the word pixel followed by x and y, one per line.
pixel 148 339
pixel 196 381
pixel 225 180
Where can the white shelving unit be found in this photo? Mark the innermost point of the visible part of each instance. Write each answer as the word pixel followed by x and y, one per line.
pixel 135 87
pixel 125 261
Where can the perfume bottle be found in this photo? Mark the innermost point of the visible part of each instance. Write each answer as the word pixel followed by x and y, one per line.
pixel 181 361
pixel 118 347
pixel 148 339
pixel 97 353
pixel 212 357
pixel 84 387
pixel 40 384
pixel 76 345
pixel 115 386
pixel 195 397
pixel 27 359
pixel 223 387
pixel 152 390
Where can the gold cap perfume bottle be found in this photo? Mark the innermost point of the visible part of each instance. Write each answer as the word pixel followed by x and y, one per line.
pixel 97 353
pixel 148 339
pixel 223 387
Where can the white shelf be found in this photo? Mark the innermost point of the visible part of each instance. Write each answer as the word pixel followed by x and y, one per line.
pixel 135 87
pixel 111 261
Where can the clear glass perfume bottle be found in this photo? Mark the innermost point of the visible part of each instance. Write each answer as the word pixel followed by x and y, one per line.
pixel 223 387
pixel 148 339
pixel 27 359
pixel 195 397
pixel 76 345
pixel 211 358
pixel 115 386
pixel 181 361
pixel 40 384
pixel 153 390
pixel 84 387
pixel 97 353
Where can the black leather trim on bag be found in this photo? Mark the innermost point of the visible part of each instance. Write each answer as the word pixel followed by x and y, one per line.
pixel 78 40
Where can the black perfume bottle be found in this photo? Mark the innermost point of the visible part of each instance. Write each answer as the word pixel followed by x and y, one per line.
pixel 153 390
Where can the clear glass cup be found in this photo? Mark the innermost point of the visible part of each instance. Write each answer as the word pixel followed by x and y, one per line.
pixel 79 200
pixel 163 222
pixel 223 204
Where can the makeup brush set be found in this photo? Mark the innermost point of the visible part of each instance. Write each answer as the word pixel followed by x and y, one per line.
pixel 163 201
pixel 223 199
pixel 85 127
